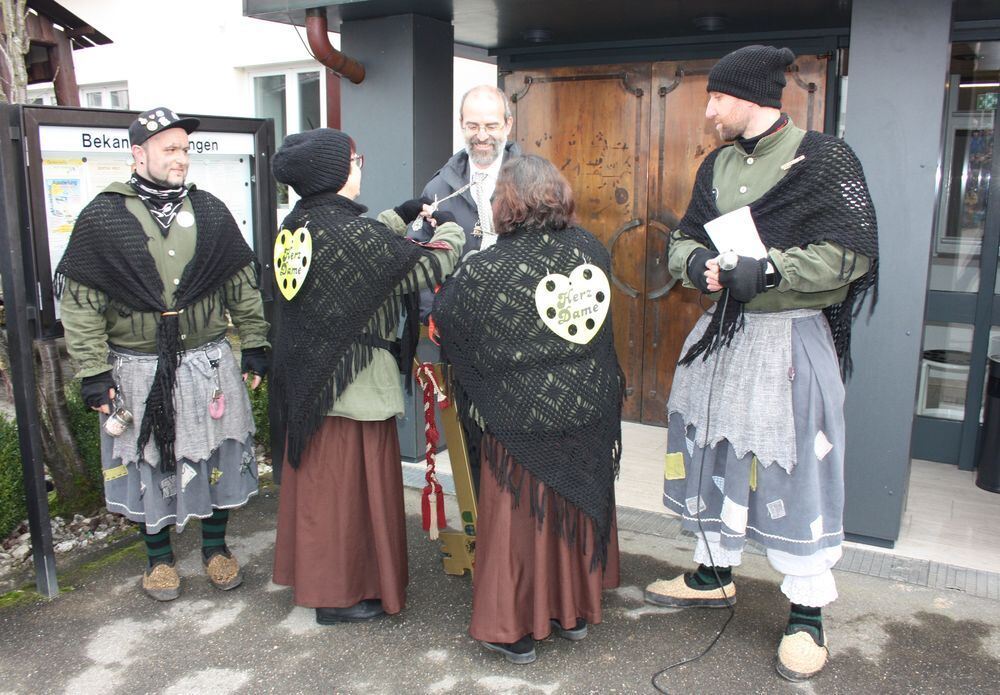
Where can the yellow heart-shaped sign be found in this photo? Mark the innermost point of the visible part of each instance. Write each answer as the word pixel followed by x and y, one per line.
pixel 574 307
pixel 292 256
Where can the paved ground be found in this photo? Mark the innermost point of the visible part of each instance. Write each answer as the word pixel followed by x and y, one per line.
pixel 103 635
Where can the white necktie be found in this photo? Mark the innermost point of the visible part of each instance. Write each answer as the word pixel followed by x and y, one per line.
pixel 485 210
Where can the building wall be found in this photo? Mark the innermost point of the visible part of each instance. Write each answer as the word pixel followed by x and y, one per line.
pixel 199 56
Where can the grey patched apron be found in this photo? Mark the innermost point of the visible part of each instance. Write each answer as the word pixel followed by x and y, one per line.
pixel 766 439
pixel 216 465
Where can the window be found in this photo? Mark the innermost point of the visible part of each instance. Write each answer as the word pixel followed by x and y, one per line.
pixel 41 96
pixel 294 98
pixel 108 96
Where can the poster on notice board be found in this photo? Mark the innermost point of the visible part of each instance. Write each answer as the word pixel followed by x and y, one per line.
pixel 80 162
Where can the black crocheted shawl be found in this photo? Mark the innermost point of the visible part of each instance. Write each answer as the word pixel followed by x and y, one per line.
pixel 108 254
pixel 823 197
pixel 554 406
pixel 362 276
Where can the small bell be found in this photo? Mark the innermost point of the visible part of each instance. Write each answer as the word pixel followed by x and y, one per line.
pixel 118 422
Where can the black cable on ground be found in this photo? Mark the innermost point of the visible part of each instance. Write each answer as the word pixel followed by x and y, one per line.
pixel 701 530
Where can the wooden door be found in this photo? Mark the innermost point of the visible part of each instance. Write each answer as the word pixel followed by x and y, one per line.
pixel 593 124
pixel 681 137
pixel 629 138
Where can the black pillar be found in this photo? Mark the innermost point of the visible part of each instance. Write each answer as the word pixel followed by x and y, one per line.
pixel 401 116
pixel 895 105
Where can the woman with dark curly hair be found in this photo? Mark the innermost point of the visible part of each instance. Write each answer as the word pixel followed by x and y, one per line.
pixel 526 328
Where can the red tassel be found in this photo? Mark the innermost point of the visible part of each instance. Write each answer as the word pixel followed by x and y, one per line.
pixel 432 497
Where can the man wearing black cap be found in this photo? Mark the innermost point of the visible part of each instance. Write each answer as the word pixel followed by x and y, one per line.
pixel 152 274
pixel 756 426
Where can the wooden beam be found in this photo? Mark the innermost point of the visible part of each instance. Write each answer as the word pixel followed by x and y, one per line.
pixel 63 72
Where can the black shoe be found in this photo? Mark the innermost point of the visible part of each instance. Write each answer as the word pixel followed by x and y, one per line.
pixel 520 652
pixel 575 634
pixel 359 612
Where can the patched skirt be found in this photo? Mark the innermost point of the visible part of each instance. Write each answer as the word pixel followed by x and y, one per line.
pixel 792 500
pixel 216 464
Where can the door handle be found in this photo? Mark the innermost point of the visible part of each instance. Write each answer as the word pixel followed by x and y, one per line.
pixel 620 284
pixel 662 228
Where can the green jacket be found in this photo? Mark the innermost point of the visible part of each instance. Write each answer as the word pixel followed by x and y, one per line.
pixel 376 392
pixel 811 275
pixel 89 331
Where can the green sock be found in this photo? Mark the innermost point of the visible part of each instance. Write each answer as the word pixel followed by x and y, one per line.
pixel 806 619
pixel 158 548
pixel 213 533
pixel 704 577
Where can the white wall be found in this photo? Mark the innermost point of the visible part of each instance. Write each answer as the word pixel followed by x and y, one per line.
pixel 195 55
pixel 186 54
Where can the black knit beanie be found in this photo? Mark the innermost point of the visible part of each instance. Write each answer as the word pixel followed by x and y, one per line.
pixel 753 73
pixel 314 161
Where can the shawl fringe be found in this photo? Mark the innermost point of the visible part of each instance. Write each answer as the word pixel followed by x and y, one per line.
pixel 824 198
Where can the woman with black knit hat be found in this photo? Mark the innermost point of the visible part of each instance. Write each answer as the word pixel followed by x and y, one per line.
pixel 345 280
pixel 526 327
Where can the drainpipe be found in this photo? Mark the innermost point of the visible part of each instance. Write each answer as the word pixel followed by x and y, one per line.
pixel 329 56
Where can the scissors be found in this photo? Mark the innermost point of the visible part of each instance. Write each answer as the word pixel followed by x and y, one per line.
pixel 478 177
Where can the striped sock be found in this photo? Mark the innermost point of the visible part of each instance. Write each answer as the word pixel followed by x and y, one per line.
pixel 704 577
pixel 806 619
pixel 158 548
pixel 213 533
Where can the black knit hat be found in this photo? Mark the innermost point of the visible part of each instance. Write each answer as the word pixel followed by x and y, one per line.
pixel 314 161
pixel 753 73
pixel 149 123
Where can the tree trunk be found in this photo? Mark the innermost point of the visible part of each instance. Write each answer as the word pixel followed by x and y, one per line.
pixel 66 466
pixel 13 50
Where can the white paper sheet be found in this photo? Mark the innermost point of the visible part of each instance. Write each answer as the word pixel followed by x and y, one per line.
pixel 736 231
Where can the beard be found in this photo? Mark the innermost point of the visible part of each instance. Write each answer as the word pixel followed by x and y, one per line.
pixel 739 120
pixel 484 158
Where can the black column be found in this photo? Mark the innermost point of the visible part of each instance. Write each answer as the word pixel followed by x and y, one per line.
pixel 895 105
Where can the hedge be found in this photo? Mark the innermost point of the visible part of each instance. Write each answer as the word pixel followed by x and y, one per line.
pixel 12 505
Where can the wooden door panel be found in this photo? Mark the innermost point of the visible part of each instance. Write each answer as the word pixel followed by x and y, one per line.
pixel 593 124
pixel 681 137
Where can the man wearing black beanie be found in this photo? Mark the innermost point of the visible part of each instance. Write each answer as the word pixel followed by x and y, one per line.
pixel 755 446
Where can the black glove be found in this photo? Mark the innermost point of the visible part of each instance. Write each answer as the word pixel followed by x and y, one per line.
pixel 255 360
pixel 94 389
pixel 696 268
pixel 411 209
pixel 442 216
pixel 746 280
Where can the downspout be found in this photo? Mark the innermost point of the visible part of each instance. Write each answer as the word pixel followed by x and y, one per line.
pixel 319 42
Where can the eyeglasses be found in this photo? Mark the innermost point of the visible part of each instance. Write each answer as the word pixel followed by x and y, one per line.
pixel 490 128
pixel 360 159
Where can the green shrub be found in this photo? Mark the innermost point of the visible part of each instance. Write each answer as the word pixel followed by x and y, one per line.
pixel 12 503
pixel 258 402
pixel 85 424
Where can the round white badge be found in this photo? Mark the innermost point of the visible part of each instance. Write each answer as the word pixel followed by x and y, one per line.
pixel 185 218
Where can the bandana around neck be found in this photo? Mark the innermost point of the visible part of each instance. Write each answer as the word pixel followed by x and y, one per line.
pixel 162 202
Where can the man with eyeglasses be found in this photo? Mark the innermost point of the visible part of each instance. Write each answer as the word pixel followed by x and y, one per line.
pixel 485 118
pixel 486 121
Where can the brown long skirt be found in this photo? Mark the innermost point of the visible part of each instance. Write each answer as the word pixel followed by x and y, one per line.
pixel 526 575
pixel 341 521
